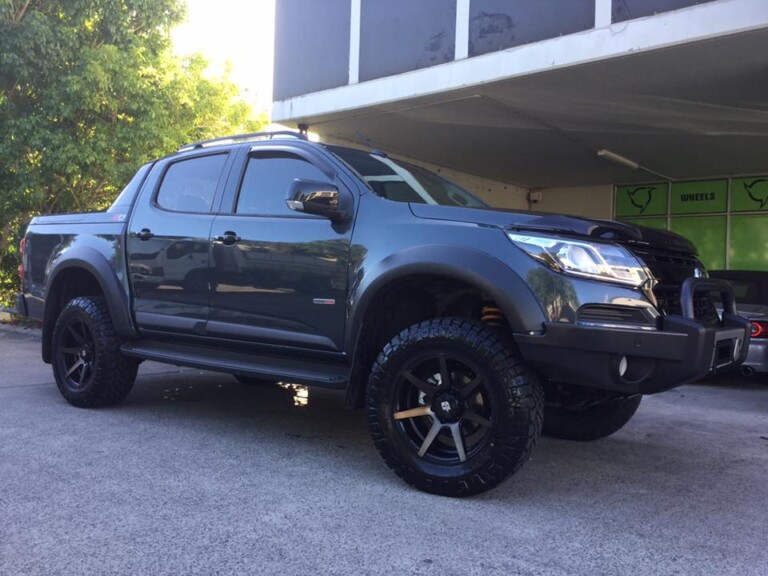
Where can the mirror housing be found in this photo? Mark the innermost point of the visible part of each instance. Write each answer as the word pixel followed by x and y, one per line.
pixel 320 198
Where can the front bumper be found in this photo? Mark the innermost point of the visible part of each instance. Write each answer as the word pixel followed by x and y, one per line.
pixel 635 361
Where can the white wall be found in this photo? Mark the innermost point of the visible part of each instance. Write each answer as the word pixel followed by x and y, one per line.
pixel 589 201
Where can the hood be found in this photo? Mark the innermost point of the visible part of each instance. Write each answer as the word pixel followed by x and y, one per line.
pixel 558 224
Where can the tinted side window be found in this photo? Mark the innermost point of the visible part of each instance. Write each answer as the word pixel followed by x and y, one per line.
pixel 267 179
pixel 189 185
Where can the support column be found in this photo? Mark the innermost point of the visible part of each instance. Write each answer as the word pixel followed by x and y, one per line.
pixel 354 41
pixel 462 29
pixel 602 13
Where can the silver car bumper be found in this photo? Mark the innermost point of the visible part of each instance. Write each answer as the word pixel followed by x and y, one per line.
pixel 757 356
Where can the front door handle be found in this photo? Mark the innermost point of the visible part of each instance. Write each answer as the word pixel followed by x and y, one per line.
pixel 144 234
pixel 228 238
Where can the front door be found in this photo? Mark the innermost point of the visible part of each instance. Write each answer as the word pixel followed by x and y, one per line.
pixel 278 276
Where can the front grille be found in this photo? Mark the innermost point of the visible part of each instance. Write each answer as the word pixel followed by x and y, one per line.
pixel 670 270
pixel 668 298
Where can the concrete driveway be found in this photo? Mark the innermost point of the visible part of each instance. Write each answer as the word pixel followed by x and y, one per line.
pixel 198 474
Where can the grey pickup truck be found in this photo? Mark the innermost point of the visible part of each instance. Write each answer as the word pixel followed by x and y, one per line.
pixel 463 331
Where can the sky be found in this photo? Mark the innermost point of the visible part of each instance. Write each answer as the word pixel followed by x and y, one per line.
pixel 239 31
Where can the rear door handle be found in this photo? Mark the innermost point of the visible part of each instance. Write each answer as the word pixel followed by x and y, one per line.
pixel 144 234
pixel 228 238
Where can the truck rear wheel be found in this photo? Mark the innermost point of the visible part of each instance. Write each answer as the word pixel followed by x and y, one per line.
pixel 585 414
pixel 451 408
pixel 89 368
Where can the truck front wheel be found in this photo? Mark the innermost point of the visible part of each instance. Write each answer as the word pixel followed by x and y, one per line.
pixel 451 407
pixel 584 414
pixel 89 368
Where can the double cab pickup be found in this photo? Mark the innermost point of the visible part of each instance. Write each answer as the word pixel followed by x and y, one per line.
pixel 463 331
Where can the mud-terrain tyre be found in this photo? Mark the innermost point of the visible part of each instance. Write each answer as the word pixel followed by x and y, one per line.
pixel 583 414
pixel 89 368
pixel 452 408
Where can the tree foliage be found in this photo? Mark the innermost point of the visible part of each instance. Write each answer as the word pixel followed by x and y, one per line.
pixel 89 90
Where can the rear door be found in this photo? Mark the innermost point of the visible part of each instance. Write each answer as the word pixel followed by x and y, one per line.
pixel 168 242
pixel 278 276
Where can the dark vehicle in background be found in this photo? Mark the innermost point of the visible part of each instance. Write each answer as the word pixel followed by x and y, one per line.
pixel 751 290
pixel 462 330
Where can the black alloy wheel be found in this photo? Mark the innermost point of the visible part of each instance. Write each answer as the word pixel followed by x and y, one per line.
pixel 451 408
pixel 76 354
pixel 89 368
pixel 442 407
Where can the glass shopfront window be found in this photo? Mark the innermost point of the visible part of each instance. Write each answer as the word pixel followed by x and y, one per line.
pixel 623 10
pixel 498 24
pixel 402 35
pixel 311 46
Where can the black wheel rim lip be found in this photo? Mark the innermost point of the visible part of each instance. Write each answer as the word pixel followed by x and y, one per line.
pixel 413 431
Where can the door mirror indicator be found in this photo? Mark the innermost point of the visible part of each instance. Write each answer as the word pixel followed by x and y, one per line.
pixel 320 198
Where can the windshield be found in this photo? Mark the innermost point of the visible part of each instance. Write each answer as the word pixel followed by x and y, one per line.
pixel 403 182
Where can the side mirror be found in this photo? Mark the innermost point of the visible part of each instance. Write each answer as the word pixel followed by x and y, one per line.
pixel 320 198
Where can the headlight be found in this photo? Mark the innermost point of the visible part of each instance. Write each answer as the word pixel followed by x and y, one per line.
pixel 608 262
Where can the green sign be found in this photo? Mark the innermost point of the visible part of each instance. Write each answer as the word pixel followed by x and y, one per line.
pixel 641 200
pixel 699 197
pixel 749 242
pixel 749 194
pixel 707 234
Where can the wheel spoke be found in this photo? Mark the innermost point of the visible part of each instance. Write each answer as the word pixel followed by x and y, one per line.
pixel 413 413
pixel 456 433
pixel 79 338
pixel 74 367
pixel 445 375
pixel 433 432
pixel 477 419
pixel 419 383
pixel 73 350
pixel 84 372
pixel 467 390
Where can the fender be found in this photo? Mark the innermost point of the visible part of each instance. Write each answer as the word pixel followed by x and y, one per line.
pixel 92 261
pixel 521 308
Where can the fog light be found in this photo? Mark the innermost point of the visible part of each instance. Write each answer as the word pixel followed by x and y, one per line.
pixel 623 366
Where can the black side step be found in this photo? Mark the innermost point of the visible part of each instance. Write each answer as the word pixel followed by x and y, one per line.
pixel 314 373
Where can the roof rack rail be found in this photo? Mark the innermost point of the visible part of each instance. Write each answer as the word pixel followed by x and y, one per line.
pixel 242 138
